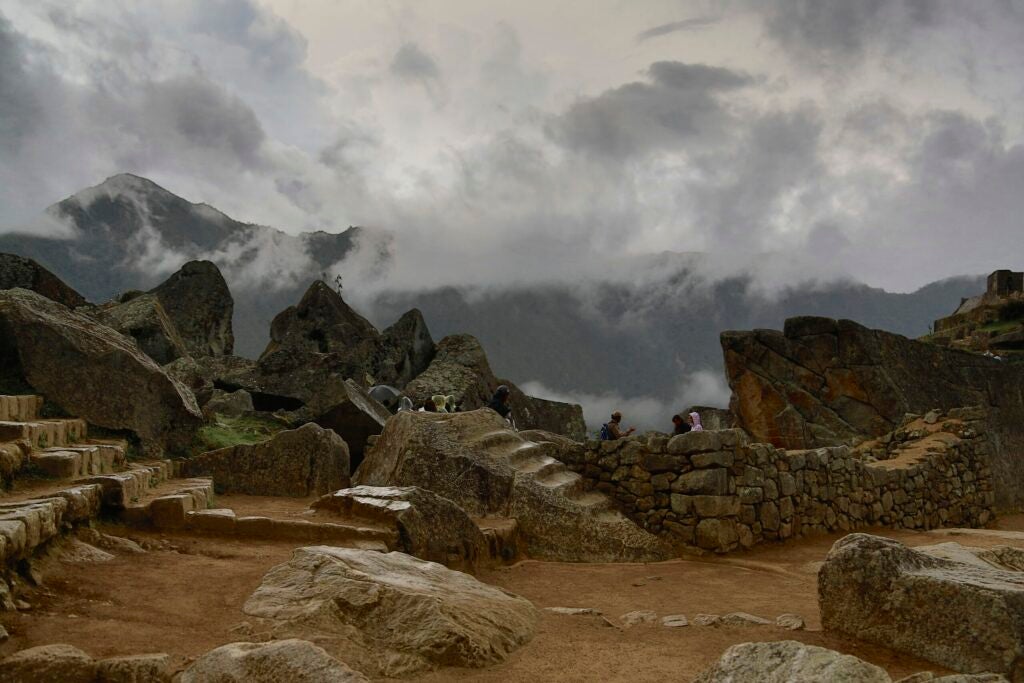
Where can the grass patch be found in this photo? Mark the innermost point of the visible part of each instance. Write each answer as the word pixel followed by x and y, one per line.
pixel 1001 326
pixel 226 431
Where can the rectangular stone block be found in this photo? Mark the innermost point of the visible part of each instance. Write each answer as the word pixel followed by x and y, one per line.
pixel 168 512
pixel 713 459
pixel 712 482
pixel 217 521
pixel 716 506
pixel 694 442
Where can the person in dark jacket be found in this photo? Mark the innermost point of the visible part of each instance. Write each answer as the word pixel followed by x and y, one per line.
pixel 615 427
pixel 681 425
pixel 499 402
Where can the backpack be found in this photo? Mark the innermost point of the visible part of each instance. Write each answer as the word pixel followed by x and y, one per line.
pixel 606 435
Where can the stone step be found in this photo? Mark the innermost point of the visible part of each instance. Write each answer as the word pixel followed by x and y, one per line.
pixel 122 489
pixel 27 524
pixel 568 484
pixel 526 453
pixel 20 408
pixel 224 522
pixel 532 464
pixel 42 434
pixel 80 460
pixel 501 442
pixel 594 502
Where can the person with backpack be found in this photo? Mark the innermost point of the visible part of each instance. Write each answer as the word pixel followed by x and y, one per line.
pixel 612 430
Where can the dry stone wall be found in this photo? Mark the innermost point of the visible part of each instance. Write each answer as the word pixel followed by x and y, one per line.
pixel 716 491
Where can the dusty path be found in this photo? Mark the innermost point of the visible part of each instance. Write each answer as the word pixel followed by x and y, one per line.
pixel 184 602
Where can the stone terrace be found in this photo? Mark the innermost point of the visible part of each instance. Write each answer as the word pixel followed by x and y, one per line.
pixel 716 491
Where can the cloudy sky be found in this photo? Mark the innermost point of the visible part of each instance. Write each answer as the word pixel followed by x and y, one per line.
pixel 878 139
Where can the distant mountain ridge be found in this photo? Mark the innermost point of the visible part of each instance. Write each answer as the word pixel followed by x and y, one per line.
pixel 130 233
pixel 628 339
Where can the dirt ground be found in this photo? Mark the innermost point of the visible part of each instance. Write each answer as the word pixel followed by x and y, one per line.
pixel 183 600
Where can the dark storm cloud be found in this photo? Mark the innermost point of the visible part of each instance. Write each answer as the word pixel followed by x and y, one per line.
pixel 841 31
pixel 692 24
pixel 203 115
pixel 412 63
pixel 678 107
pixel 20 109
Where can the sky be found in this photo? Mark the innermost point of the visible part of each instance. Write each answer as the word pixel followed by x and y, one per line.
pixel 873 139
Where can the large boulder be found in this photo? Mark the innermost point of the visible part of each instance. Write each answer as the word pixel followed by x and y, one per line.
pixel 428 526
pixel 789 660
pixel 204 374
pixel 962 615
pixel 274 662
pixel 460 368
pixel 20 272
pixel 822 382
pixel 391 614
pixel 93 372
pixel 199 303
pixel 144 320
pixel 488 469
pixel 406 349
pixel 299 462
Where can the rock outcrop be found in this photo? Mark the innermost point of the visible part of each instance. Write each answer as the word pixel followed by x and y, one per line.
pixel 144 320
pixel 789 660
pixel 429 527
pixel 391 614
pixel 20 272
pixel 961 615
pixel 324 332
pixel 299 462
pixel 274 662
pixel 92 371
pixel 823 382
pixel 460 368
pixel 199 303
pixel 474 460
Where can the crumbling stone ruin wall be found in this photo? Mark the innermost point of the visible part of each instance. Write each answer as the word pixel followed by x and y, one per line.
pixel 716 491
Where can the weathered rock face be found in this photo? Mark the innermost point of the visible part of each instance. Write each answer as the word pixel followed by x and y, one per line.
pixel 789 660
pixel 487 469
pixel 232 404
pixel 429 527
pixel 406 349
pixel 960 615
pixel 283 660
pixel 199 303
pixel 299 462
pixel 391 614
pixel 92 371
pixel 229 373
pixel 324 332
pixel 144 319
pixel 460 368
pixel 823 382
pixel 18 271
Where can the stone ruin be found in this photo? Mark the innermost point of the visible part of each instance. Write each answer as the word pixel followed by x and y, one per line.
pixel 833 428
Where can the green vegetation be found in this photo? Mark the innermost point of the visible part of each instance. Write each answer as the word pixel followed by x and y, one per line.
pixel 1001 326
pixel 225 431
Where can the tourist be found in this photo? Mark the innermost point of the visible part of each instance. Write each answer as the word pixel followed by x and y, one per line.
pixel 695 424
pixel 428 406
pixel 614 428
pixel 681 425
pixel 449 403
pixel 499 402
pixel 405 404
pixel 439 403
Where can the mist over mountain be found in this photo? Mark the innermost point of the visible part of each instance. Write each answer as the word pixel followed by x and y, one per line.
pixel 649 343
